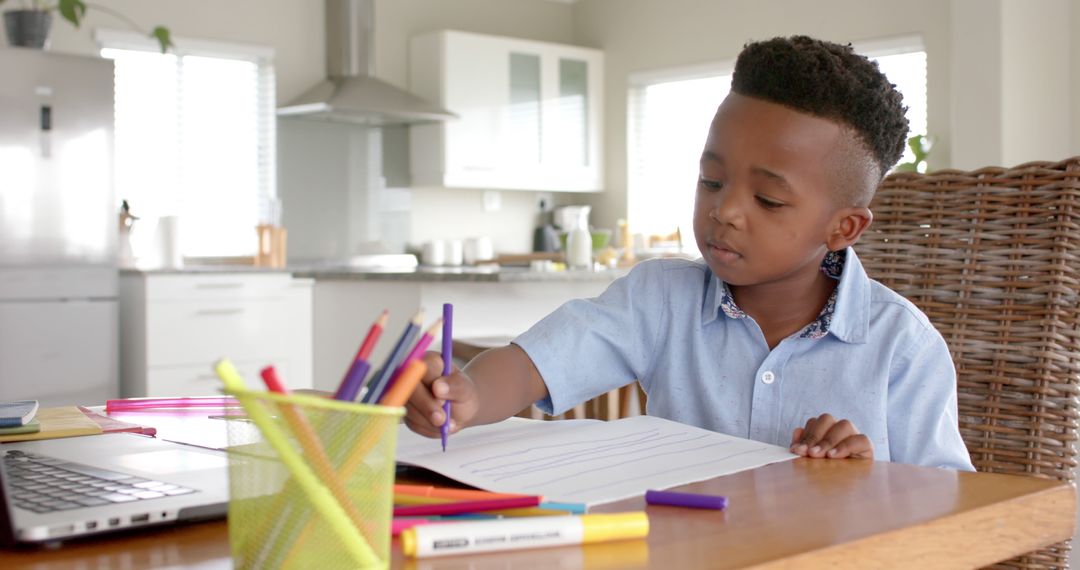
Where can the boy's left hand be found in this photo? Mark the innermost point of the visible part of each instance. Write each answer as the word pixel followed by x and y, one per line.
pixel 824 436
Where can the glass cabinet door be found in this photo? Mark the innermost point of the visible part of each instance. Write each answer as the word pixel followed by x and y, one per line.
pixel 572 121
pixel 523 130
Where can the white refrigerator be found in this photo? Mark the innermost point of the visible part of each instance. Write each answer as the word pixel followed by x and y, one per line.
pixel 58 229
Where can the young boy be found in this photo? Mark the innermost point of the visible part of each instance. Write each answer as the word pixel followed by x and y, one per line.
pixel 777 332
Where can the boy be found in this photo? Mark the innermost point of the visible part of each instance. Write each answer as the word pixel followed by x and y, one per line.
pixel 777 331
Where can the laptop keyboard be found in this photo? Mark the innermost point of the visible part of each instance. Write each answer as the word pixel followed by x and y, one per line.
pixel 44 484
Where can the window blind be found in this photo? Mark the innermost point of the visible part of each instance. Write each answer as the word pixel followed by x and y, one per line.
pixel 194 137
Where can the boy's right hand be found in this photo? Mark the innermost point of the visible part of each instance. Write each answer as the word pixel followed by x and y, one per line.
pixel 424 411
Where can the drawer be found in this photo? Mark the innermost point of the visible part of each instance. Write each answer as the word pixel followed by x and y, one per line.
pixel 215 287
pixel 187 333
pixel 200 380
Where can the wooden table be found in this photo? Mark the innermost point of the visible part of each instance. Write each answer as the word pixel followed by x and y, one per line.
pixel 846 514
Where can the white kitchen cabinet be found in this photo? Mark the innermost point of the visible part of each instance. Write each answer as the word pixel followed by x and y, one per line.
pixel 529 113
pixel 174 326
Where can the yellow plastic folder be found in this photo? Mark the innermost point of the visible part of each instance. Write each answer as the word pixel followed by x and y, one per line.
pixel 65 421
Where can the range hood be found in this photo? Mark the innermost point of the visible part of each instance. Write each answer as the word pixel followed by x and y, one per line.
pixel 350 93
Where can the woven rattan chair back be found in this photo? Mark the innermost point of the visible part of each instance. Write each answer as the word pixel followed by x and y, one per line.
pixel 993 258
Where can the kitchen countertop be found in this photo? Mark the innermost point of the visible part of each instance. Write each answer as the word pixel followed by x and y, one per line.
pixel 479 274
pixel 482 274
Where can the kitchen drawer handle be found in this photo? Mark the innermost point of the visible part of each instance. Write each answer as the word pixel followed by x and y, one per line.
pixel 206 377
pixel 218 312
pixel 218 285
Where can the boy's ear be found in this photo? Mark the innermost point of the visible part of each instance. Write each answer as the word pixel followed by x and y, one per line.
pixel 848 225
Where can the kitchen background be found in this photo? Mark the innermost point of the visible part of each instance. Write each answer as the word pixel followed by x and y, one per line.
pixel 983 58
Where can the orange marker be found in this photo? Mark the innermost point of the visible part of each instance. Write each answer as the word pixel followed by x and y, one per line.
pixel 399 393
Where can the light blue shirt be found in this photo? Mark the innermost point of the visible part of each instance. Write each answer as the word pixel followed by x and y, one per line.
pixel 880 364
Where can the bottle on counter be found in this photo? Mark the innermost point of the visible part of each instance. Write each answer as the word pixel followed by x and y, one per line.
pixel 579 243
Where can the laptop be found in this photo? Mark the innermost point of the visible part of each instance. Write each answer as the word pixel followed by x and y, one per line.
pixel 56 489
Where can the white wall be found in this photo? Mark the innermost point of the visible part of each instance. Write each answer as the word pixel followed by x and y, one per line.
pixel 643 35
pixel 293 28
pixel 976 126
pixel 1036 100
pixel 1074 33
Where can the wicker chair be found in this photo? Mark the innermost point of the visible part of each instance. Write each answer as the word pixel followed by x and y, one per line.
pixel 993 258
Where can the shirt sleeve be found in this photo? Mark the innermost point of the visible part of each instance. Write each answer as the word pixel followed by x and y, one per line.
pixel 923 420
pixel 589 346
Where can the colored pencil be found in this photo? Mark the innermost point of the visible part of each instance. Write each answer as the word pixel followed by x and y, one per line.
pixel 379 380
pixel 466 507
pixel 414 354
pixel 354 379
pixel 373 336
pixel 448 364
pixel 354 375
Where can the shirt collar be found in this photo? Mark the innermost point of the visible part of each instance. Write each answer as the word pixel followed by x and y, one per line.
pixel 845 314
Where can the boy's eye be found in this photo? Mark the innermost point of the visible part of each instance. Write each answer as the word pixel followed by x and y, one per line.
pixel 767 203
pixel 710 184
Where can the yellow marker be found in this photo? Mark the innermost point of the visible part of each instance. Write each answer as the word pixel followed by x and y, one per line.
pixel 509 534
pixel 321 498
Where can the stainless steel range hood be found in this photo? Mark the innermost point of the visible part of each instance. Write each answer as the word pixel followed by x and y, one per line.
pixel 350 93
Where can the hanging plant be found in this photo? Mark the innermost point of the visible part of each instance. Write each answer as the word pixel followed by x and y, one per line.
pixel 74 11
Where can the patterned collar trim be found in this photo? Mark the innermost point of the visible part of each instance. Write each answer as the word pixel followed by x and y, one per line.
pixel 833 266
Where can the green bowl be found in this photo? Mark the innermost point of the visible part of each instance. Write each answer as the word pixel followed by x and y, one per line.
pixel 600 239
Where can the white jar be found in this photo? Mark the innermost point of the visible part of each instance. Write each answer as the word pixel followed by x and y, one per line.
pixel 433 252
pixel 579 248
pixel 455 254
pixel 478 250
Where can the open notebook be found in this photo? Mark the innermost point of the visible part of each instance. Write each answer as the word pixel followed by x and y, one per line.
pixel 585 461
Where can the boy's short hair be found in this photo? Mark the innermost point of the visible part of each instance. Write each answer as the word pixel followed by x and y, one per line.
pixel 830 81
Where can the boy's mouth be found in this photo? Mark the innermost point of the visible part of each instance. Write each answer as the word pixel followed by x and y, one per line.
pixel 723 252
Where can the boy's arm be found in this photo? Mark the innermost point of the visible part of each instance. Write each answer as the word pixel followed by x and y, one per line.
pixel 922 407
pixel 494 386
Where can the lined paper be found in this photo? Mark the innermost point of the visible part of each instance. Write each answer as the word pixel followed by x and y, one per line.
pixel 585 461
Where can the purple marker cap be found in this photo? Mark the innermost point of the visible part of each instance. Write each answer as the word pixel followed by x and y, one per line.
pixel 686 500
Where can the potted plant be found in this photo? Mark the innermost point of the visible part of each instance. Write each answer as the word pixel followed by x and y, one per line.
pixel 29 26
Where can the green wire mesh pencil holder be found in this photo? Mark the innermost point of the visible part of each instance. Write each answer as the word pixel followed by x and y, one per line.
pixel 310 482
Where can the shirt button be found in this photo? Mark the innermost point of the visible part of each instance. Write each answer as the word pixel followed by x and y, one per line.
pixel 768 377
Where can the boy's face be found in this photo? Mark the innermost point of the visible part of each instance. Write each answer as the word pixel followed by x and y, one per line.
pixel 767 208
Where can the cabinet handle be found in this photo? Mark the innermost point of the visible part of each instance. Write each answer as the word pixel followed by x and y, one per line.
pixel 218 312
pixel 206 377
pixel 218 285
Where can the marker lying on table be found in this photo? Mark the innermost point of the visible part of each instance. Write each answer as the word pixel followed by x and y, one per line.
pixel 690 500
pixel 466 507
pixel 507 534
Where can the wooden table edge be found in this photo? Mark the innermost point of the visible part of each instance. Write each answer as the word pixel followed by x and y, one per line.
pixel 1031 522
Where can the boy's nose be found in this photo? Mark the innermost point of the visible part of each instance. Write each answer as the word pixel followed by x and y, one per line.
pixel 726 211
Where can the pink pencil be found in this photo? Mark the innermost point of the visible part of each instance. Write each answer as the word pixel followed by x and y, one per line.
pixel 414 354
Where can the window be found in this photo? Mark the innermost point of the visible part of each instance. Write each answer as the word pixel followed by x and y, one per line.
pixel 668 115
pixel 195 138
